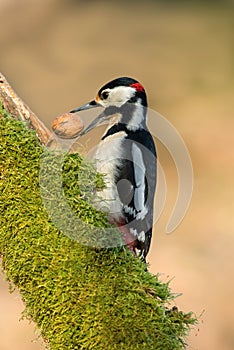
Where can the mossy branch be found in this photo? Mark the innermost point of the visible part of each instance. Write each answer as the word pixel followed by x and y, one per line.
pixel 79 296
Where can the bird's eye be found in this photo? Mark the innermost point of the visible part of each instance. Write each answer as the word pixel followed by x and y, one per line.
pixel 104 95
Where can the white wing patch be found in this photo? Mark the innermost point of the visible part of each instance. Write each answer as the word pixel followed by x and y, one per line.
pixel 130 210
pixel 140 236
pixel 139 173
pixel 134 232
pixel 141 215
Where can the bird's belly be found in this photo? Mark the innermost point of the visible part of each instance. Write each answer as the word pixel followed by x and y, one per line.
pixel 108 159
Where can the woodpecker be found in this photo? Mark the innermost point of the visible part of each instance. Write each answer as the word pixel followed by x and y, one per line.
pixel 127 156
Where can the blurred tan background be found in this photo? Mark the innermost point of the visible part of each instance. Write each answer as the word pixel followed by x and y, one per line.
pixel 57 53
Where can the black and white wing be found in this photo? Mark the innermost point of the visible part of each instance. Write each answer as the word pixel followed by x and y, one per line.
pixel 136 186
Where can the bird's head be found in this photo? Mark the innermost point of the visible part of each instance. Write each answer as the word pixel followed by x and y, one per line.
pixel 120 96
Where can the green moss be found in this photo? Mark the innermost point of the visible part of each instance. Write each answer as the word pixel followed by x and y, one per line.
pixel 80 297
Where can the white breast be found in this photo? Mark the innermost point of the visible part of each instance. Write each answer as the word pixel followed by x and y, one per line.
pixel 107 159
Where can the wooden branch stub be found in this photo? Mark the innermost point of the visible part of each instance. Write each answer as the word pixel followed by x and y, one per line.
pixel 13 104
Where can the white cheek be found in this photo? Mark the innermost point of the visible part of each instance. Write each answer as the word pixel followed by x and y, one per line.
pixel 120 95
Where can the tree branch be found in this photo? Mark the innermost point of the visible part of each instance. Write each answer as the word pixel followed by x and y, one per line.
pixel 13 104
pixel 80 297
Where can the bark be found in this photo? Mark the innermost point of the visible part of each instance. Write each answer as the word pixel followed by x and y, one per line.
pixel 18 109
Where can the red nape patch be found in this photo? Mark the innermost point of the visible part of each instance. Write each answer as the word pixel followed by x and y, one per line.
pixel 129 239
pixel 138 87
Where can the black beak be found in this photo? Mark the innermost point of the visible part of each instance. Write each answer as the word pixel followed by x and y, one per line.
pixel 100 119
pixel 92 104
pixel 97 121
